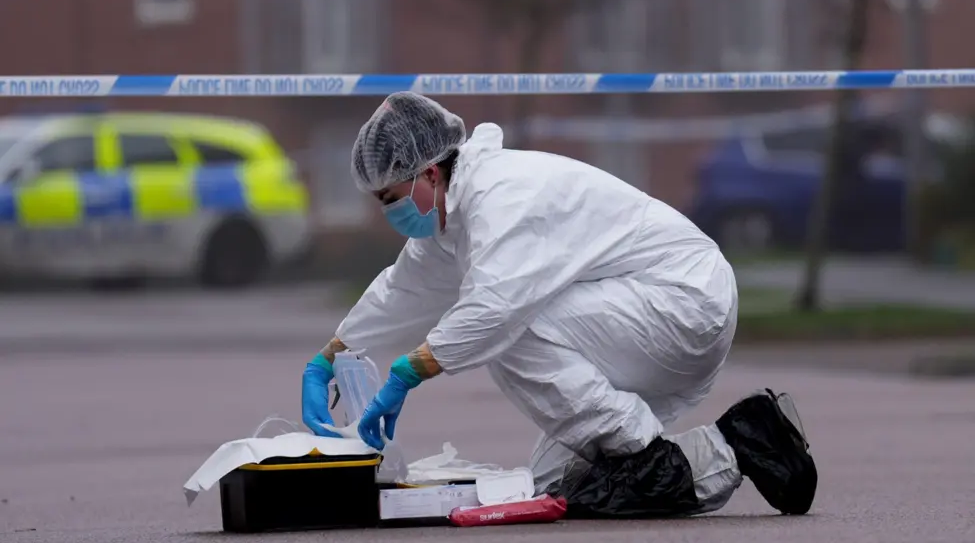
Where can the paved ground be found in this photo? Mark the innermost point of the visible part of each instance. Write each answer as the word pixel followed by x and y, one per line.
pixel 96 445
pixel 870 280
pixel 169 319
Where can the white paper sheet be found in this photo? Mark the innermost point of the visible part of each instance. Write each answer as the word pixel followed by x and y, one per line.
pixel 233 454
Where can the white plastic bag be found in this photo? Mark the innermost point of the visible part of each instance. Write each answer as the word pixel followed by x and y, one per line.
pixel 447 467
pixel 432 469
pixel 292 426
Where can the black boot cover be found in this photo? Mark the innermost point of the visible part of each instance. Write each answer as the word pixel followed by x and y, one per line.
pixel 772 451
pixel 655 482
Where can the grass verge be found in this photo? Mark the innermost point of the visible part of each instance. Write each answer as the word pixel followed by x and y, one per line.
pixel 767 315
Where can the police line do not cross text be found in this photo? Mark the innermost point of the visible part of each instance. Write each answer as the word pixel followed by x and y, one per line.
pixel 475 84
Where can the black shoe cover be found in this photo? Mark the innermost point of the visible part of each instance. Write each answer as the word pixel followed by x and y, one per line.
pixel 772 451
pixel 656 482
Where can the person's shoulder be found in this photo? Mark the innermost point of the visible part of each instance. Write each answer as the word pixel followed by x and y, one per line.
pixel 528 172
pixel 505 171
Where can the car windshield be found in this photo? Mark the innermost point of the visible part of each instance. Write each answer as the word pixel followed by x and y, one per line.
pixel 6 144
pixel 810 140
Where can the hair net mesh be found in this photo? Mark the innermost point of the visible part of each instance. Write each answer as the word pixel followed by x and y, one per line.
pixel 407 133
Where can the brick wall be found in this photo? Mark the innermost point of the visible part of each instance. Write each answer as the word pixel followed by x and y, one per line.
pixel 102 36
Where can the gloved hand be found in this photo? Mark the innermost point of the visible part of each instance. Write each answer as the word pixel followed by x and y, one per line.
pixel 388 403
pixel 314 396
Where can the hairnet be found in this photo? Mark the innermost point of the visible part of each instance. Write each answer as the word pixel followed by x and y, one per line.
pixel 407 133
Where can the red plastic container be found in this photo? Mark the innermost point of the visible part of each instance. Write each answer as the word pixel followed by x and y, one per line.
pixel 543 509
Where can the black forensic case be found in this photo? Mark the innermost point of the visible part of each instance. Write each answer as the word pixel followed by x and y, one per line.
pixel 305 493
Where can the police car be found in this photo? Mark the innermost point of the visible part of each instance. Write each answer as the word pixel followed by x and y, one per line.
pixel 121 196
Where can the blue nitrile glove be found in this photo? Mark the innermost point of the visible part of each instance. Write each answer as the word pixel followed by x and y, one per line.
pixel 388 403
pixel 314 396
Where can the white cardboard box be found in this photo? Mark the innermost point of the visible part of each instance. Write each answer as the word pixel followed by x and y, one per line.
pixel 426 502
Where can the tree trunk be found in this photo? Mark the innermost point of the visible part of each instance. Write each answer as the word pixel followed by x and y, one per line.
pixel 528 61
pixel 915 42
pixel 538 19
pixel 808 298
pixel 531 22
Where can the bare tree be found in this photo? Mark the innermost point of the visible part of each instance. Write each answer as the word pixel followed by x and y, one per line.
pixel 915 49
pixel 856 13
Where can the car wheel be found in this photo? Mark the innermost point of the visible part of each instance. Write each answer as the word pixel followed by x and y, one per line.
pixel 747 231
pixel 235 256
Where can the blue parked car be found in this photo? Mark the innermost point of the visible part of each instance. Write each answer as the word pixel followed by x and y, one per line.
pixel 756 192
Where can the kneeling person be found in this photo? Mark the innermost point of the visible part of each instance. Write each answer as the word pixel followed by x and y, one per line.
pixel 602 313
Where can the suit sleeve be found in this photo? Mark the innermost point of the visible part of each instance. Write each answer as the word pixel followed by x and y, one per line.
pixel 404 301
pixel 522 256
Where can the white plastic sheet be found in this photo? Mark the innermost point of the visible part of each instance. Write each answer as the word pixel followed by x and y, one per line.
pixel 437 468
pixel 446 467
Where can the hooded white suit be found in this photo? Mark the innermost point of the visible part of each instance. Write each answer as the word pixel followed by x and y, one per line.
pixel 601 312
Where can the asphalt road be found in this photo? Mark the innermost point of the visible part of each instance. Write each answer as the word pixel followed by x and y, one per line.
pixel 169 319
pixel 95 445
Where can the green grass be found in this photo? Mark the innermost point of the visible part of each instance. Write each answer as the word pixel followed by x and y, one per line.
pixel 753 301
pixel 768 315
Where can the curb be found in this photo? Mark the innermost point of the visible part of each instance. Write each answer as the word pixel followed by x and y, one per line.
pixel 162 345
pixel 931 358
pixel 958 366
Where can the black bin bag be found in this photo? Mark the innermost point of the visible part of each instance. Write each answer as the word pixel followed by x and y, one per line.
pixel 655 482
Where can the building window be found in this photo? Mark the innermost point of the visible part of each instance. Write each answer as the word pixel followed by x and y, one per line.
pixel 753 34
pixel 902 5
pixel 164 12
pixel 340 36
pixel 763 35
pixel 593 27
pixel 626 35
pixel 338 202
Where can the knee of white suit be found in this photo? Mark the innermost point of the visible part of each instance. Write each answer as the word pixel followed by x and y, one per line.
pixel 572 401
pixel 549 462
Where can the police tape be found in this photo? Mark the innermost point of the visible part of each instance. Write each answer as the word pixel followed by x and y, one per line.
pixel 475 84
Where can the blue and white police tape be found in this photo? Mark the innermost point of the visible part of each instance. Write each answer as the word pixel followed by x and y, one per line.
pixel 475 84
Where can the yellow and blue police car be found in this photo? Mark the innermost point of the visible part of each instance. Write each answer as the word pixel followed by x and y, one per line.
pixel 131 195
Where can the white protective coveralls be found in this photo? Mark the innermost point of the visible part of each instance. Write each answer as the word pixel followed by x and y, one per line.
pixel 602 313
